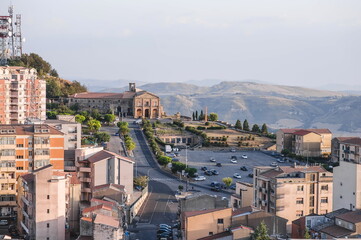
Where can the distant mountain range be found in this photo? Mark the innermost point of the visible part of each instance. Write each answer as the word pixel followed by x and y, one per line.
pixel 278 106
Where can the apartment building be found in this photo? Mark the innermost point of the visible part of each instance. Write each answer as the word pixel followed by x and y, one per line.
pixel 22 95
pixel 243 195
pixel 347 176
pixel 43 201
pixel 304 142
pixel 23 149
pixel 96 166
pixel 292 192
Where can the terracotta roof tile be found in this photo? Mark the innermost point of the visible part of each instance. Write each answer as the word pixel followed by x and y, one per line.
pixel 104 154
pixel 320 130
pixel 92 209
pixel 73 178
pixel 106 220
pixel 86 219
pixel 302 132
pixel 99 201
pixel 290 130
pixel 100 95
pixel 354 141
pixel 109 185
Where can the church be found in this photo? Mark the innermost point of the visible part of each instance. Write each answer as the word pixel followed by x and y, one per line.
pixel 132 103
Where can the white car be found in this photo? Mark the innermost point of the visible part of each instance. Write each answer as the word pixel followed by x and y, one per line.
pixel 274 164
pixel 212 159
pixel 200 178
pixel 233 150
pixel 233 161
pixel 280 160
pixel 4 222
pixel 244 156
pixel 237 175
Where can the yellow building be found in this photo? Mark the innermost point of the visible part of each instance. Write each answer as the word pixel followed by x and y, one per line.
pixel 293 192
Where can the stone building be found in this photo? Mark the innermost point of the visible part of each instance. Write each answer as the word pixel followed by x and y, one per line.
pixel 133 103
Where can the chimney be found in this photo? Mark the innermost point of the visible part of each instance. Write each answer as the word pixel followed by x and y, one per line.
pixel 132 87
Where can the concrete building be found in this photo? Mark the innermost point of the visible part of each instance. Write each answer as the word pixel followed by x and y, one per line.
pixel 22 95
pixel 347 176
pixel 43 201
pixel 335 148
pixel 304 142
pixel 133 103
pixel 96 168
pixel 23 149
pixel 201 201
pixel 292 192
pixel 243 195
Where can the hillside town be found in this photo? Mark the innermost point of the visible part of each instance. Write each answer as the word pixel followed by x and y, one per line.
pixel 230 160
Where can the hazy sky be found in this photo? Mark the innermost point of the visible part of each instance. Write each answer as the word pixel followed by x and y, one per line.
pixel 293 42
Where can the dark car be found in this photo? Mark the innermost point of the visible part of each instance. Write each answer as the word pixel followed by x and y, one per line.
pixel 216 188
pixel 208 172
pixel 234 157
pixel 204 168
pixel 219 165
pixel 214 172
pixel 244 168
pixel 214 184
pixel 250 175
pixel 233 187
pixel 165 235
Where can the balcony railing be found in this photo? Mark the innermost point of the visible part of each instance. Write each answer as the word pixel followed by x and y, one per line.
pixel 87 190
pixel 85 169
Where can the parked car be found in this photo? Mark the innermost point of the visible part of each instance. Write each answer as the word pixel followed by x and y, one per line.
pixel 280 160
pixel 208 172
pixel 233 161
pixel 219 165
pixel 244 168
pixel 204 168
pixel 250 175
pixel 233 150
pixel 233 187
pixel 4 222
pixel 175 160
pixel 160 231
pixel 216 188
pixel 176 153
pixel 212 159
pixel 116 134
pixel 167 235
pixel 274 164
pixel 200 178
pixel 244 156
pixel 215 184
pixel 214 172
pixel 234 157
pixel 237 175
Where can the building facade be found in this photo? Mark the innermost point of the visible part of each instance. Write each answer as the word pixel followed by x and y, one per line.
pixel 43 201
pixel 243 195
pixel 292 192
pixel 23 149
pixel 133 103
pixel 304 142
pixel 22 95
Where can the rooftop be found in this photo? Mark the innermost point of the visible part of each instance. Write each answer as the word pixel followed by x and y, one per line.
pixel 106 220
pixel 353 141
pixel 104 154
pixel 352 217
pixel 195 213
pixel 92 209
pixel 336 231
pixel 21 129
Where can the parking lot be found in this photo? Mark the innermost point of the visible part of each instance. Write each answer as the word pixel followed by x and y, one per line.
pixel 199 159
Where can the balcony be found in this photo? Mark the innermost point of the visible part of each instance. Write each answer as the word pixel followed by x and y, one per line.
pixel 7 169
pixel 26 201
pixel 82 179
pixel 7 180
pixel 24 227
pixel 14 103
pixel 70 168
pixel 85 169
pixel 280 196
pixel 8 203
pixel 86 190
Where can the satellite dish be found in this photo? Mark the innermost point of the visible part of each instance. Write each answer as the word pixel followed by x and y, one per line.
pixel 23 40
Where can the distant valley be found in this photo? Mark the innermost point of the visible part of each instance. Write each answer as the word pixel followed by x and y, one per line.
pixel 278 106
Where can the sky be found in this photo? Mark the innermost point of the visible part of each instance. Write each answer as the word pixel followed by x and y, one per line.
pixel 290 42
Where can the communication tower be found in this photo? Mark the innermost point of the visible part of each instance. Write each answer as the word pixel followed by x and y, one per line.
pixel 10 41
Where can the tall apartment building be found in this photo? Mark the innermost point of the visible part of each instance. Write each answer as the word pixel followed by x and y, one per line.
pixel 23 149
pixel 293 192
pixel 43 201
pixel 22 95
pixel 304 142
pixel 347 176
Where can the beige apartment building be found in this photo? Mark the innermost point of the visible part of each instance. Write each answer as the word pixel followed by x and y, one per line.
pixel 23 149
pixel 304 142
pixel 243 195
pixel 293 192
pixel 22 95
pixel 43 202
pixel 347 176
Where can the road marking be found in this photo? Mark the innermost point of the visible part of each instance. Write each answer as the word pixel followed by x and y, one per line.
pixel 165 208
pixel 151 218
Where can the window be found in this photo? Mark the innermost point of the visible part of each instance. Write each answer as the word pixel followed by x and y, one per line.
pixel 313 177
pixel 324 200
pixel 19 157
pixel 300 188
pixel 19 168
pixel 220 221
pixel 48 196
pixel 48 225
pixel 19 145
pixel 299 213
pixel 324 187
pixel 312 201
pixel 47 210
pixel 312 210
pixel 210 233
pixel 299 201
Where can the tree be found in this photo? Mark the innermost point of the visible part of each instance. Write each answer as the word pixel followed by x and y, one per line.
pixel 197 115
pixel 178 167
pixel 129 144
pixel 109 118
pixel 122 124
pixel 264 129
pixel 141 181
pixel 79 118
pixel 95 114
pixel 191 171
pixel 93 125
pixel 51 114
pixel 255 128
pixel 227 181
pixel 307 234
pixel 102 137
pixel 261 232
pixel 245 125
pixel 124 129
pixel 238 124
pixel 201 116
pixel 164 160
pixel 193 116
pixel 213 117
